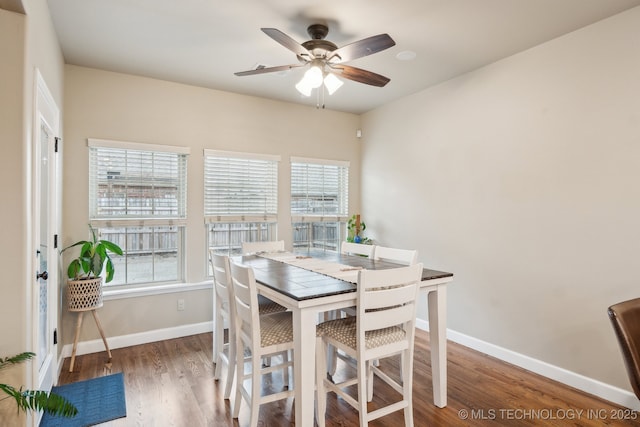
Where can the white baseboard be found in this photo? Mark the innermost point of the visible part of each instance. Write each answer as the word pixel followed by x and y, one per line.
pixel 94 346
pixel 588 385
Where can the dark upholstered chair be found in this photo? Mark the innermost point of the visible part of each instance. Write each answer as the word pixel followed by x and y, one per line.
pixel 625 317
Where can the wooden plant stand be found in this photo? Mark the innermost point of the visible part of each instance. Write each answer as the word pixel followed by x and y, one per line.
pixel 82 296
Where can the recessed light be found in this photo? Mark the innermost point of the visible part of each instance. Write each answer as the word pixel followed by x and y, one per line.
pixel 406 55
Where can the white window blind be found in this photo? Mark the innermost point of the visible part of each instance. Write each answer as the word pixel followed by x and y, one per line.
pixel 127 181
pixel 319 190
pixel 138 200
pixel 240 187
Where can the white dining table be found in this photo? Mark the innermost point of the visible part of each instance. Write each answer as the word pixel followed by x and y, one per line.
pixel 307 293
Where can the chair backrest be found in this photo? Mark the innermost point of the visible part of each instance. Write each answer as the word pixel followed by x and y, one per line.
pixel 388 298
pixel 625 317
pixel 401 256
pixel 222 277
pixel 246 304
pixel 357 249
pixel 253 247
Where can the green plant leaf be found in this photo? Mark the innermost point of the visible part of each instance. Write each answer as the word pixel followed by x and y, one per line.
pixel 74 269
pixel 51 403
pixel 101 250
pixel 111 246
pixel 27 400
pixel 85 262
pixel 93 234
pixel 87 249
pixel 14 360
pixel 96 265
pixel 81 242
pixel 38 400
pixel 110 271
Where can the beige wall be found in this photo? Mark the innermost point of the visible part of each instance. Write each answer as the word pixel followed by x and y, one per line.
pixel 28 43
pixel 522 179
pixel 100 104
pixel 13 329
pixel 12 27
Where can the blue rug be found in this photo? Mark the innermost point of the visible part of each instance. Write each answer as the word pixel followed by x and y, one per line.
pixel 98 400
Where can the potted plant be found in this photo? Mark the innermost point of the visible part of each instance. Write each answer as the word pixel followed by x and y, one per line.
pixel 94 257
pixel 36 400
pixel 84 287
pixel 355 228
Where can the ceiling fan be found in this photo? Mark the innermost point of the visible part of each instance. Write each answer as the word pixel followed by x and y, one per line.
pixel 327 60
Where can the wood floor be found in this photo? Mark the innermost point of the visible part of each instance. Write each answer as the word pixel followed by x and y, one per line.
pixel 170 383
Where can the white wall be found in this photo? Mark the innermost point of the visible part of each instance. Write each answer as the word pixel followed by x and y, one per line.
pixel 522 179
pixel 106 105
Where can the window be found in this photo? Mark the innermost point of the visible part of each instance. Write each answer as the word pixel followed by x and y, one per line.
pixel 138 199
pixel 240 199
pixel 319 202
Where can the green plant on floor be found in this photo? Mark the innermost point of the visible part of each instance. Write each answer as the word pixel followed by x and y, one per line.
pixel 35 400
pixel 94 258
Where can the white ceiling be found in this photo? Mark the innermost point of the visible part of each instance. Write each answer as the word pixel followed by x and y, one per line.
pixel 203 42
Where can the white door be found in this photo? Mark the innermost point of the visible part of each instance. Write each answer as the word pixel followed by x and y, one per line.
pixel 45 294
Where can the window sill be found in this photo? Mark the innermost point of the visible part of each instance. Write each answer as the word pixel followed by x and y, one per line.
pixel 142 291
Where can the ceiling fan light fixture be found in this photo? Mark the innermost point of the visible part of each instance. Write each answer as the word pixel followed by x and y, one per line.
pixel 304 88
pixel 312 79
pixel 332 83
pixel 313 76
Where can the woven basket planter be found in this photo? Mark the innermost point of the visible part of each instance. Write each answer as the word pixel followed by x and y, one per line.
pixel 84 295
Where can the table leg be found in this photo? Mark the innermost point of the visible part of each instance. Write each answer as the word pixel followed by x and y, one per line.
pixel 438 339
pixel 304 335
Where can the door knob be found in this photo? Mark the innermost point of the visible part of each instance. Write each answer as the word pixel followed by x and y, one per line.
pixel 44 275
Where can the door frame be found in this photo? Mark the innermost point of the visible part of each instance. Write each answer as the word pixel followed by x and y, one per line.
pixel 46 112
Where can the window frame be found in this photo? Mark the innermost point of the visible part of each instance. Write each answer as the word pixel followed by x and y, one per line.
pixel 232 214
pixel 320 221
pixel 149 222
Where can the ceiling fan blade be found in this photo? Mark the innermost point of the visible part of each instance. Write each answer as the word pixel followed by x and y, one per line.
pixel 268 69
pixel 288 42
pixel 361 48
pixel 359 75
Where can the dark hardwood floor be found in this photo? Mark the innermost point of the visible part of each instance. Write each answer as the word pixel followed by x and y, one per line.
pixel 170 383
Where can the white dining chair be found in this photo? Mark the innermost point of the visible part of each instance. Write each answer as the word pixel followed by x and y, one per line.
pixel 357 249
pixel 400 256
pixel 266 305
pixel 384 327
pixel 264 336
pixel 256 247
pixel 347 248
pixel 224 314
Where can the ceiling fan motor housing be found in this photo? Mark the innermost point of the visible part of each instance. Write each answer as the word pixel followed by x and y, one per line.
pixel 317 45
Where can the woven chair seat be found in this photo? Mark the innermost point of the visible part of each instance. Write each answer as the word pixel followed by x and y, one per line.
pixel 266 306
pixel 276 328
pixel 344 331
